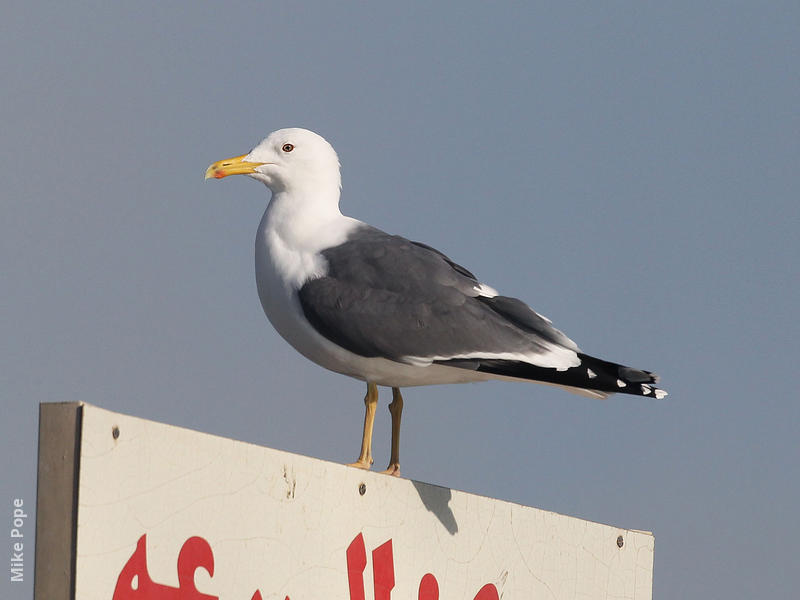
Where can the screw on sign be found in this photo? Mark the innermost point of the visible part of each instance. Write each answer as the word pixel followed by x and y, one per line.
pixel 134 582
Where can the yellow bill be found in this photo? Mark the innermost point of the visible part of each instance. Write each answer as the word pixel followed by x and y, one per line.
pixel 231 166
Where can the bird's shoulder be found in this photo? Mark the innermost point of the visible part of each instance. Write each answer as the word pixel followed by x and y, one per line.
pixel 371 254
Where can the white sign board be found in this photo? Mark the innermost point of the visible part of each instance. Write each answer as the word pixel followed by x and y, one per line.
pixel 167 513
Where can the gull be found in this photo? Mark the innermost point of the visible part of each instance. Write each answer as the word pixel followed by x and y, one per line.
pixel 389 311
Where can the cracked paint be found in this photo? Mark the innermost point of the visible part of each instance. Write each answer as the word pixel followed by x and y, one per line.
pixel 282 523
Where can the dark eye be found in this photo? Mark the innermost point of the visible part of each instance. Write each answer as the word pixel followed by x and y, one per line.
pixel 287 148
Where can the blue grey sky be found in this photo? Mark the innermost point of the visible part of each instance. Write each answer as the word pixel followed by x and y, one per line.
pixel 630 169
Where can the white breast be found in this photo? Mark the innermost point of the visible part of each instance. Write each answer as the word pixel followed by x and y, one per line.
pixel 281 269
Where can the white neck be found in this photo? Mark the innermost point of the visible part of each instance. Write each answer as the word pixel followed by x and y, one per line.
pixel 300 218
pixel 294 230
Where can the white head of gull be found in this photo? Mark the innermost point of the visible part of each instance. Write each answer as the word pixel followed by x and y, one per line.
pixel 389 311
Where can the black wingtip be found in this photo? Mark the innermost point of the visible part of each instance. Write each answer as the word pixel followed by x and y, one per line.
pixel 592 374
pixel 627 380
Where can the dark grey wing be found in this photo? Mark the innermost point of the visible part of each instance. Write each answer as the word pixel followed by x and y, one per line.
pixel 527 319
pixel 387 296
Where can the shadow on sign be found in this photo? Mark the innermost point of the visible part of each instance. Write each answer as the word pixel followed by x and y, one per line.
pixel 436 499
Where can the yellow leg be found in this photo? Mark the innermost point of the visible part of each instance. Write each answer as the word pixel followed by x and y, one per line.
pixel 371 403
pixel 396 409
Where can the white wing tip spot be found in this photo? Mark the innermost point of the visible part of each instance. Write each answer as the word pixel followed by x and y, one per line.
pixel 591 374
pixel 621 383
pixel 486 290
pixel 661 394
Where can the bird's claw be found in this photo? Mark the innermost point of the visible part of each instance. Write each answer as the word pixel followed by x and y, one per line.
pixel 393 469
